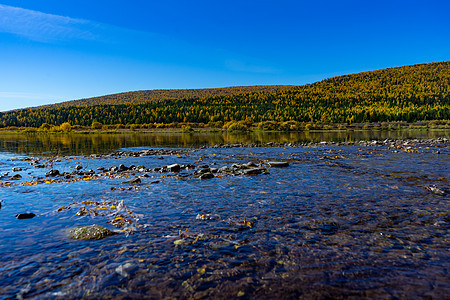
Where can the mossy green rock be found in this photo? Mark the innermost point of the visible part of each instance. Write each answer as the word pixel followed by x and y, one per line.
pixel 92 232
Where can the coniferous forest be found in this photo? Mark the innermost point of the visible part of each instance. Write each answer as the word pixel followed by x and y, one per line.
pixel 409 94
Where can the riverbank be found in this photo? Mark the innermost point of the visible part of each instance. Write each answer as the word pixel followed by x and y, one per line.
pixel 233 126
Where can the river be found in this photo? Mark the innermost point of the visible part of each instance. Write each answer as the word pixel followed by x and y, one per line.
pixel 362 215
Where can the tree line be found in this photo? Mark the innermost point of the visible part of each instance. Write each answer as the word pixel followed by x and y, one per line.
pixel 410 94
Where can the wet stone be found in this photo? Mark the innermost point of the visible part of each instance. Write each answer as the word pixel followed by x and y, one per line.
pixel 16 177
pixel 52 173
pixel 92 232
pixel 25 216
pixel 89 172
pixel 174 168
pixel 278 164
pixel 17 169
pixel 254 171
pixel 203 171
pixel 136 180
pixel 206 176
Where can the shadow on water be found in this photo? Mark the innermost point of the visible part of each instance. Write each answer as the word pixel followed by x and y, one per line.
pixel 86 144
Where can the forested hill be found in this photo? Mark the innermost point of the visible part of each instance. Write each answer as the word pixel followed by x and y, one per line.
pixel 409 93
pixel 138 97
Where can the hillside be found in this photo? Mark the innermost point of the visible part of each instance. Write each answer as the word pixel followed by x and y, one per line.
pixel 139 97
pixel 409 93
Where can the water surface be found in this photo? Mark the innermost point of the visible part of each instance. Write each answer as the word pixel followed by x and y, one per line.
pixel 364 221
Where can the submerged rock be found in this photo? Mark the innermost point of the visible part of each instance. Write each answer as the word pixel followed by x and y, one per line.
pixel 17 169
pixel 136 180
pixel 125 269
pixel 92 232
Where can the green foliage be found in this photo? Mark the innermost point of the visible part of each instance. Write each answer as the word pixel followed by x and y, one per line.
pixel 410 94
pixel 140 97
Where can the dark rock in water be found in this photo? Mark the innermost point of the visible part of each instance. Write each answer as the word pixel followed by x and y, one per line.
pixel 278 164
pixel 40 166
pixel 225 169
pixel 114 169
pixel 203 166
pixel 203 171
pixel 142 169
pixel 25 216
pixel 68 176
pixel 174 168
pixel 136 180
pixel 17 169
pixel 92 232
pixel 16 177
pixel 89 172
pixel 52 173
pixel 122 168
pixel 206 176
pixel 254 171
pixel 78 167
pixel 154 182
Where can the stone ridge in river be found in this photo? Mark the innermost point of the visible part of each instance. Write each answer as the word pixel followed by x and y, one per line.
pixel 91 232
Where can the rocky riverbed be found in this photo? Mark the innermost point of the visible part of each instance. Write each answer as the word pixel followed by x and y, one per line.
pixel 327 219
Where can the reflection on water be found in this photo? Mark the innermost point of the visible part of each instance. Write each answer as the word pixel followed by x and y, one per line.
pixel 85 144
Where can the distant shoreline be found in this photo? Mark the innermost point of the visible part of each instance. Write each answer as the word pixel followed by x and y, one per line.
pixel 198 128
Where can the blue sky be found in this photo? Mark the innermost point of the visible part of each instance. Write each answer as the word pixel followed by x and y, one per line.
pixel 54 51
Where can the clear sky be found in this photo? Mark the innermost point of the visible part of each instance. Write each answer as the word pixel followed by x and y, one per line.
pixel 54 51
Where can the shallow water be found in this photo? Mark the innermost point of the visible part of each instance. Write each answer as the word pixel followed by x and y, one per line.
pixel 339 222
